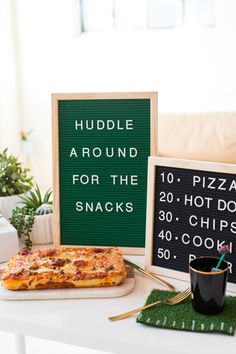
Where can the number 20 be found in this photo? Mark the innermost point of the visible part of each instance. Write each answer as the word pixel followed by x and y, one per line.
pixel 166 197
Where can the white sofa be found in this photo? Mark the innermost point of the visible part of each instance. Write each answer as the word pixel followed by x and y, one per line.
pixel 199 136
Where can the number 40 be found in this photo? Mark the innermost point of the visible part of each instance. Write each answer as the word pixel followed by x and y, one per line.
pixel 165 235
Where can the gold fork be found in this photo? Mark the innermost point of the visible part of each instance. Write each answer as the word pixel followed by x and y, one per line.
pixel 171 301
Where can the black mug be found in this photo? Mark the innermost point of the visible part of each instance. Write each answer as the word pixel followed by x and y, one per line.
pixel 208 288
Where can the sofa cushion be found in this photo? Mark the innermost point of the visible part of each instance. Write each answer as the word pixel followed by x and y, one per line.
pixel 198 136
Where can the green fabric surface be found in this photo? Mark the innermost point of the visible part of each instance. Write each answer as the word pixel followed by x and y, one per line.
pixel 183 317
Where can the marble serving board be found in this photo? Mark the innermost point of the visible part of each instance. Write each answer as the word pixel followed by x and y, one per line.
pixel 81 293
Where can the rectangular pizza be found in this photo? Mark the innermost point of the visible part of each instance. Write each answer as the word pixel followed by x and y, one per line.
pixel 64 268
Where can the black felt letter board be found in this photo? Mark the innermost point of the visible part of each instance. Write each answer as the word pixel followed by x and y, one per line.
pixel 194 214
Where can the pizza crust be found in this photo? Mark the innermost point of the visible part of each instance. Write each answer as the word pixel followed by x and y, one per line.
pixel 35 284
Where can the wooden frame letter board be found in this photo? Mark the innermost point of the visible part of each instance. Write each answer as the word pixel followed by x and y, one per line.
pixel 101 144
pixel 191 209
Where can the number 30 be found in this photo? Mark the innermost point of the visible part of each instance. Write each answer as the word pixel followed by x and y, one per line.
pixel 165 216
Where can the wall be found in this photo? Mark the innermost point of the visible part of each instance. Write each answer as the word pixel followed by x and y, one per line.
pixel 193 70
pixel 44 30
pixel 9 103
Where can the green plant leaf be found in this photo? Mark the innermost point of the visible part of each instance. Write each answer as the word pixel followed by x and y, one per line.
pixel 47 196
pixel 38 193
pixel 34 199
pixel 23 220
pixel 14 178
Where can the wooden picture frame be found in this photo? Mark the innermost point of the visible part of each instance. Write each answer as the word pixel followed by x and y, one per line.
pixel 151 195
pixel 152 96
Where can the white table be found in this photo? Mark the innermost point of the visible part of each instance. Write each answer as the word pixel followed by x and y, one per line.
pixel 84 322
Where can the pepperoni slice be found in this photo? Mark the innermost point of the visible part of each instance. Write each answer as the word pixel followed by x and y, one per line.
pixel 59 262
pixel 16 275
pixel 51 252
pixel 99 250
pixel 80 263
pixel 24 251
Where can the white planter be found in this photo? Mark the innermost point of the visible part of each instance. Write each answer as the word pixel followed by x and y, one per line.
pixel 7 204
pixel 42 232
pixel 8 240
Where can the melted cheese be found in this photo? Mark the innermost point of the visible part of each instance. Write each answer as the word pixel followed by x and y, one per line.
pixel 43 270
pixel 69 268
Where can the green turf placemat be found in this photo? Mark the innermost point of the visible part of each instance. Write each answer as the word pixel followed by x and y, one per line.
pixel 183 317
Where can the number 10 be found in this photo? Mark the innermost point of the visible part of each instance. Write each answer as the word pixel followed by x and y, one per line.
pixel 167 177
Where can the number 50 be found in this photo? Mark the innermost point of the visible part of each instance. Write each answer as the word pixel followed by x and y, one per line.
pixel 162 253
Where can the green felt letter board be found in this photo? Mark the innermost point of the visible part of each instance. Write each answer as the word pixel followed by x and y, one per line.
pixel 101 144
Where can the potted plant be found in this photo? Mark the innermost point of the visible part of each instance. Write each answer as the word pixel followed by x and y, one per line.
pixel 35 218
pixel 23 220
pixel 14 181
